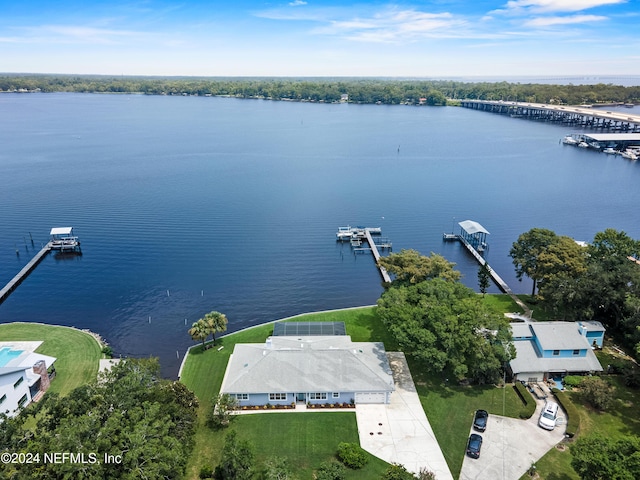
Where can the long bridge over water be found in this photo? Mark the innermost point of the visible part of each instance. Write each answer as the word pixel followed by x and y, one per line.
pixel 582 116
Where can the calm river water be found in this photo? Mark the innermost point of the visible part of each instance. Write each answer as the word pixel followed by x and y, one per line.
pixel 190 204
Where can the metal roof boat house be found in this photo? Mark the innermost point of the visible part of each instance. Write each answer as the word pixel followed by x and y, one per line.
pixel 474 233
pixel 63 239
pixel 310 369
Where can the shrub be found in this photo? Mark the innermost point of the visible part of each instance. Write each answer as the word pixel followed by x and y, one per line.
pixel 352 455
pixel 598 392
pixel 206 471
pixel 331 471
pixel 397 472
pixel 573 380
pixel 573 417
pixel 529 406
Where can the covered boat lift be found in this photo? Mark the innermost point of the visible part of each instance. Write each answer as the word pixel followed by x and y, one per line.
pixel 62 238
pixel 475 234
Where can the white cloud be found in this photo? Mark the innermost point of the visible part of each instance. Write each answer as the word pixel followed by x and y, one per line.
pixel 297 3
pixel 522 7
pixel 394 25
pixel 568 20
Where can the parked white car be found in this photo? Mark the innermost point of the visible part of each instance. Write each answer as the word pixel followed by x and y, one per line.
pixel 548 416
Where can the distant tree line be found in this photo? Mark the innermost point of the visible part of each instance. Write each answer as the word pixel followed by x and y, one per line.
pixel 327 90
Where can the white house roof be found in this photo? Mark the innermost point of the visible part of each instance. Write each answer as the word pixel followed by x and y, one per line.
pixel 520 330
pixel 308 364
pixel 552 336
pixel 472 227
pixel 592 326
pixel 559 335
pixel 61 231
pixel 527 360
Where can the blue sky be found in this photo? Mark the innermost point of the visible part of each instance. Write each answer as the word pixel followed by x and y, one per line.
pixel 434 38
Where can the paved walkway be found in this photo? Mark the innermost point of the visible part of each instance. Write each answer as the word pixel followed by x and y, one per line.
pixel 510 446
pixel 400 432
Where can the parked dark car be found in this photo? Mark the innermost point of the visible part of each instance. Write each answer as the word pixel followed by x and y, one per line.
pixel 473 445
pixel 480 420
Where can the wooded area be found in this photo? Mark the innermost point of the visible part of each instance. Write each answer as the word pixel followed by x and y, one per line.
pixel 327 90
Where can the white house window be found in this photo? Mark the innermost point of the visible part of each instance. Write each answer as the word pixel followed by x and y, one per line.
pixel 23 400
pixel 4 397
pixel 242 396
pixel 317 396
pixel 335 395
pixel 556 352
pixel 576 352
pixel 277 396
pixel 20 380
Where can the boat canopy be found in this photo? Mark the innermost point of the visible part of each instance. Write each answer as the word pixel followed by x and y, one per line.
pixel 61 231
pixel 472 227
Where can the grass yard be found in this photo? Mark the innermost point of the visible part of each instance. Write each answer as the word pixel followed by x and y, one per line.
pixel 77 352
pixel 449 408
pixel 621 419
pixel 203 372
pixel 501 303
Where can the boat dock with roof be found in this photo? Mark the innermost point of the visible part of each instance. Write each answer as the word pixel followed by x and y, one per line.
pixel 474 237
pixel 356 236
pixel 62 239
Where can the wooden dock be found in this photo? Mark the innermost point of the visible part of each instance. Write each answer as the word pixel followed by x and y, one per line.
pixel 15 281
pixel 502 285
pixel 376 255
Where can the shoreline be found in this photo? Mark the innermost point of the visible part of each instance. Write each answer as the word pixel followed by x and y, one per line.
pixel 184 359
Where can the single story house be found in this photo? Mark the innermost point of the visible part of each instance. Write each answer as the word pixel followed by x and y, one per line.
pixel 23 375
pixel 547 350
pixel 308 369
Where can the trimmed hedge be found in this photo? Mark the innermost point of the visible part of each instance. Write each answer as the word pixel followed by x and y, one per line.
pixel 573 417
pixel 529 405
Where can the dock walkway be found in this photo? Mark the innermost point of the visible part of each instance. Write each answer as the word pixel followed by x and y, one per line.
pixel 22 274
pixel 502 285
pixel 376 255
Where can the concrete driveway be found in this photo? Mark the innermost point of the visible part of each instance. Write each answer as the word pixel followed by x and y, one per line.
pixel 510 446
pixel 400 432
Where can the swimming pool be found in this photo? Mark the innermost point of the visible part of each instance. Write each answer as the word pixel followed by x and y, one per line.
pixel 7 354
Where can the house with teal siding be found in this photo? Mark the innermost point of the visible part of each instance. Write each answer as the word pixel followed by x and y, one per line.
pixel 548 350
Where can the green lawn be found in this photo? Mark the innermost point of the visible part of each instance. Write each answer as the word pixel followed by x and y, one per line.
pixel 203 372
pixel 449 407
pixel 77 353
pixel 622 418
pixel 450 410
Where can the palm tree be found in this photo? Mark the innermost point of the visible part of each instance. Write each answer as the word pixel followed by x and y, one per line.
pixel 199 331
pixel 216 322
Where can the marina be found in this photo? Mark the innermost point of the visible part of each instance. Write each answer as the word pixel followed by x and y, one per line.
pixel 625 144
pixel 357 235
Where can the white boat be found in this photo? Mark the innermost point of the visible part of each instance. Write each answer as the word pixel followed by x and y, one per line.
pixel 344 233
pixel 569 140
pixel 349 232
pixel 629 155
pixel 610 151
pixel 583 145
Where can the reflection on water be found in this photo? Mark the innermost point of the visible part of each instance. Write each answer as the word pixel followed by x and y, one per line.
pixel 187 205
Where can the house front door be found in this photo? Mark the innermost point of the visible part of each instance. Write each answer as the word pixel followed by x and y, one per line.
pixel 301 397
